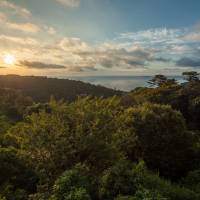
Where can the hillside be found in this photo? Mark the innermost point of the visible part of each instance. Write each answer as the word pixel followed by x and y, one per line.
pixel 42 88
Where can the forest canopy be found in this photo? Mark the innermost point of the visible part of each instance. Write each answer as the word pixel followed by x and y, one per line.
pixel 105 145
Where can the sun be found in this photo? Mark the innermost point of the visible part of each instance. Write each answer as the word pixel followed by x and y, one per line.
pixel 9 59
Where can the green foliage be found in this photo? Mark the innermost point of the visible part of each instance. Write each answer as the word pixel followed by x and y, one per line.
pixel 40 89
pixel 120 197
pixel 68 134
pixel 160 80
pixel 11 193
pixel 166 188
pixel 16 178
pixel 74 184
pixel 192 181
pixel 13 104
pixel 78 194
pixel 128 181
pixel 146 194
pixel 122 179
pixel 152 132
pixel 143 194
pixel 5 124
pixel 91 148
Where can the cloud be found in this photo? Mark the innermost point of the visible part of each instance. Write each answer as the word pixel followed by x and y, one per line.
pixel 124 58
pixel 80 54
pixel 180 49
pixel 117 58
pixel 40 65
pixel 10 40
pixel 161 59
pixel 51 31
pixel 193 36
pixel 73 45
pixel 80 67
pixel 154 36
pixel 25 27
pixel 3 17
pixel 69 3
pixel 165 42
pixel 188 62
pixel 144 50
pixel 15 8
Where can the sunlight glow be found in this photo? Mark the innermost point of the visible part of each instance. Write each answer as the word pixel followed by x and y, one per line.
pixel 9 59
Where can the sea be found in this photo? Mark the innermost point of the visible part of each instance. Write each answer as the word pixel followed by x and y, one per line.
pixel 123 83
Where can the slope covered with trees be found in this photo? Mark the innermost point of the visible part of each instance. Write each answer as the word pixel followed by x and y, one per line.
pixel 42 88
pixel 142 145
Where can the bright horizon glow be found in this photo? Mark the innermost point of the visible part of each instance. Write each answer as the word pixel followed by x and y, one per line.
pixel 9 59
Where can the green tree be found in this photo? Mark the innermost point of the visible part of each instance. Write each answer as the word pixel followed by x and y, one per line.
pixel 123 178
pixel 17 179
pixel 158 80
pixel 143 194
pixel 157 134
pixel 78 194
pixel 73 184
pixel 161 80
pixel 191 76
pixel 192 181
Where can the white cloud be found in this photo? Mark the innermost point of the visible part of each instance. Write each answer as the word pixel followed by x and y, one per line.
pixel 51 31
pixel 153 35
pixel 180 49
pixel 9 40
pixel 25 27
pixel 73 45
pixel 15 8
pixel 69 3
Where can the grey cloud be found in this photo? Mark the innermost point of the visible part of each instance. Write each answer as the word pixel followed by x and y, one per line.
pixel 134 63
pixel 137 53
pixel 71 68
pixel 104 56
pixel 40 65
pixel 161 59
pixel 81 68
pixel 89 68
pixel 135 58
pixel 188 62
pixel 110 58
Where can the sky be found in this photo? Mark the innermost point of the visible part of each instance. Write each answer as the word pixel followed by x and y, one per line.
pixel 99 37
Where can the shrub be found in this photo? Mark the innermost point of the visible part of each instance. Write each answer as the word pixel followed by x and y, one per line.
pixel 73 184
pixel 192 181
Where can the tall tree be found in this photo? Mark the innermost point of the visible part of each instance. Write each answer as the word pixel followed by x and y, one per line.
pixel 191 76
pixel 161 80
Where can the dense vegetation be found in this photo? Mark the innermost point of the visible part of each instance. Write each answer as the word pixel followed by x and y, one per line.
pixel 144 145
pixel 42 88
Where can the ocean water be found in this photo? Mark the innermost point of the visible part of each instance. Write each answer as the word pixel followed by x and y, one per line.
pixel 124 83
